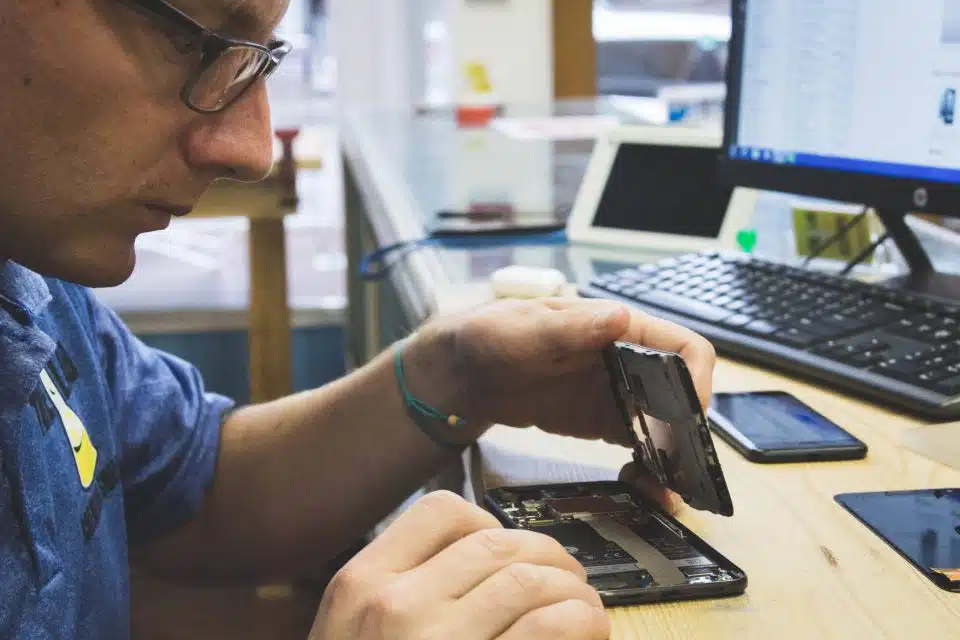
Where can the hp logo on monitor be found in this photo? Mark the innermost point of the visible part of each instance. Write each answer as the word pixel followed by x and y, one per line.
pixel 921 198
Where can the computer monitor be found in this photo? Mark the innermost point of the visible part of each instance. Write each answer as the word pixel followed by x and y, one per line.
pixel 851 100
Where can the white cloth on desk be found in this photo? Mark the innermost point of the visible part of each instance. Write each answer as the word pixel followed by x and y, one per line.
pixel 514 457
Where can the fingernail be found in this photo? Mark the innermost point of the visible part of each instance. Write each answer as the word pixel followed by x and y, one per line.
pixel 603 319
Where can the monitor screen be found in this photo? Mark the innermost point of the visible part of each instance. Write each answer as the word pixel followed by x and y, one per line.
pixel 866 87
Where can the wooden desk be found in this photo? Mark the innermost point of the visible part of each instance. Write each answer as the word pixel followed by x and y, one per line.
pixel 813 570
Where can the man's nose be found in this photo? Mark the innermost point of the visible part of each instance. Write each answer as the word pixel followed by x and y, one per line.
pixel 235 143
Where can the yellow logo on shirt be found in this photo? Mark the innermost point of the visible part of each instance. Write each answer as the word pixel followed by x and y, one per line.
pixel 84 453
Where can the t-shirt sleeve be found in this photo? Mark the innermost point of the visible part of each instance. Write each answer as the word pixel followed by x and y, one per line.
pixel 167 428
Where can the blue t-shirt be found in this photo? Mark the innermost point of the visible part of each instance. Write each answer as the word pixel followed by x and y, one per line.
pixel 104 443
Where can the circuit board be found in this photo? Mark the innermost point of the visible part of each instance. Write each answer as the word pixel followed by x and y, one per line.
pixel 621 544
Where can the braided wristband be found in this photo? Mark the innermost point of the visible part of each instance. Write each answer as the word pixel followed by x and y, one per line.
pixel 433 422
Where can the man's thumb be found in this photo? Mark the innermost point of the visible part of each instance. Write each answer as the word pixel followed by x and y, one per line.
pixel 649 487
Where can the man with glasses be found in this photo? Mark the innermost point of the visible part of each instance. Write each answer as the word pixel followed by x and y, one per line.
pixel 117 115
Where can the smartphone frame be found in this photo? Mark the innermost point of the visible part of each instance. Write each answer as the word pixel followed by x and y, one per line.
pixel 789 452
pixel 672 593
pixel 623 360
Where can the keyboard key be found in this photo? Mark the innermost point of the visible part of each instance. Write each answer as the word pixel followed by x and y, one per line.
pixel 928 377
pixel 796 337
pixel 736 305
pixel 843 323
pixel 615 287
pixel 949 387
pixel 900 368
pixel 634 291
pixel 685 306
pixel 867 359
pixel 873 344
pixel 936 361
pixel 738 320
pixel 828 348
pixel 762 327
pixel 905 327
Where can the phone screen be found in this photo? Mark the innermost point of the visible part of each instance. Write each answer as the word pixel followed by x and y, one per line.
pixel 923 526
pixel 778 421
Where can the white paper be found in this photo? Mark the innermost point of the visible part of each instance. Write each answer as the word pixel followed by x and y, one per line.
pixel 555 128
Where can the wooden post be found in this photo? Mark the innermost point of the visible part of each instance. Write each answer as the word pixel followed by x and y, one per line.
pixel 271 374
pixel 574 49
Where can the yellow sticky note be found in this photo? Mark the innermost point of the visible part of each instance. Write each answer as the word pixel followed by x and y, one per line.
pixel 813 227
pixel 478 77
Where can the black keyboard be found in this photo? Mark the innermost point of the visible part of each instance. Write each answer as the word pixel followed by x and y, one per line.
pixel 890 346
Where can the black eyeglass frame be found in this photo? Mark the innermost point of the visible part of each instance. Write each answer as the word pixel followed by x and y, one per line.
pixel 212 45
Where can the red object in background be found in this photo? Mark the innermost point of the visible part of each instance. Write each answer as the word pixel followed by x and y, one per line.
pixel 476 115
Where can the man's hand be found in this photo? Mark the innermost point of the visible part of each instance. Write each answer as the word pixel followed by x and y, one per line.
pixel 447 569
pixel 523 363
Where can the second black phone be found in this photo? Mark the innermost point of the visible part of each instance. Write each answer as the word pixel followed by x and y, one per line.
pixel 774 426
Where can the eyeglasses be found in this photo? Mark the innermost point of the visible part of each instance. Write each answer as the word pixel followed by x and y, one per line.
pixel 227 67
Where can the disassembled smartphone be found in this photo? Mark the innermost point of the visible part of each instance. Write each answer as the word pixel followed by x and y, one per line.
pixel 633 550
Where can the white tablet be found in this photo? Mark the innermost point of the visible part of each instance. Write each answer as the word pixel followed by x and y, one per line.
pixel 656 187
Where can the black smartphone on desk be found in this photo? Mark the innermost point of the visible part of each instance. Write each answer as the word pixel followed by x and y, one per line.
pixel 774 426
pixel 922 526
pixel 634 551
pixel 494 223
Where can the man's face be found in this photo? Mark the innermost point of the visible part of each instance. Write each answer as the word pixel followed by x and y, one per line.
pixel 97 147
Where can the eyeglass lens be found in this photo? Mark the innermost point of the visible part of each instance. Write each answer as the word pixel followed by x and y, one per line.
pixel 229 76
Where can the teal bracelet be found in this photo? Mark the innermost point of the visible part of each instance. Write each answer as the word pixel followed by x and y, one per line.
pixel 422 414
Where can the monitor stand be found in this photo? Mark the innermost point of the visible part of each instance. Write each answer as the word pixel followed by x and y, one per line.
pixel 921 278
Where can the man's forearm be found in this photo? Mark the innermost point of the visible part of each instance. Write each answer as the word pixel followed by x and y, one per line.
pixel 301 478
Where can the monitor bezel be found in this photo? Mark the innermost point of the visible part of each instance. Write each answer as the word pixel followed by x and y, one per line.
pixel 875 190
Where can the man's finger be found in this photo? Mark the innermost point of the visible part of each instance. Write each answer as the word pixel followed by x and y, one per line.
pixel 648 486
pixel 570 619
pixel 578 326
pixel 431 525
pixel 508 595
pixel 698 354
pixel 575 329
pixel 465 564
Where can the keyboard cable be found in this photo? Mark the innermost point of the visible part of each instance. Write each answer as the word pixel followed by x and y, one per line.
pixel 864 254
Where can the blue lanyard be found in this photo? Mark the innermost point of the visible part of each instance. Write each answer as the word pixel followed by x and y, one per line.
pixel 378 264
